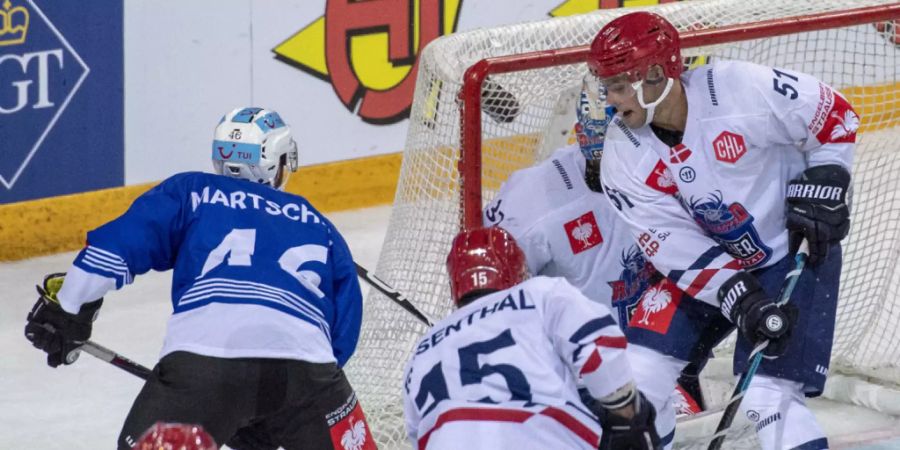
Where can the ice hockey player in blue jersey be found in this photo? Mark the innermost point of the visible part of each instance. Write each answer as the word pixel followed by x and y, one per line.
pixel 266 304
pixel 726 168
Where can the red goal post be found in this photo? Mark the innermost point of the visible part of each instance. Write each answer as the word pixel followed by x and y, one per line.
pixel 458 152
pixel 473 80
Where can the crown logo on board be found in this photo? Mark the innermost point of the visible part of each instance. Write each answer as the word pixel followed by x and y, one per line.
pixel 13 24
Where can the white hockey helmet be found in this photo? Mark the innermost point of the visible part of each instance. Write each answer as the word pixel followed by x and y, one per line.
pixel 256 145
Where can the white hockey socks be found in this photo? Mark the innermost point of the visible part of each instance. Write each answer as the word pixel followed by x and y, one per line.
pixel 782 419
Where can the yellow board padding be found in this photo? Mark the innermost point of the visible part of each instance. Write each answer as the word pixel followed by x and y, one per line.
pixel 878 106
pixel 60 224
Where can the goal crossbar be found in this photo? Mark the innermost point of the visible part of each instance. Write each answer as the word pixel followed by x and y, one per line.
pixel 473 80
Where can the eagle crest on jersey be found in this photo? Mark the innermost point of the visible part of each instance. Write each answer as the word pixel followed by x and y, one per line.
pixel 256 145
pixel 484 259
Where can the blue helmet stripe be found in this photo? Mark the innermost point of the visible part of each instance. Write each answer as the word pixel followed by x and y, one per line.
pixel 269 122
pixel 245 115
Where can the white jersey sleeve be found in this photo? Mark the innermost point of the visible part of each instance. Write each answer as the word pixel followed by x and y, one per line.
pixel 522 200
pixel 643 192
pixel 586 337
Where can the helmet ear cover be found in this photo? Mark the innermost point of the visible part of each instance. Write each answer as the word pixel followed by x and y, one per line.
pixel 256 145
pixel 484 260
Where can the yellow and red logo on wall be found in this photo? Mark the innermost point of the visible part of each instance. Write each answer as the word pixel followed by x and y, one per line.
pixel 572 7
pixel 368 51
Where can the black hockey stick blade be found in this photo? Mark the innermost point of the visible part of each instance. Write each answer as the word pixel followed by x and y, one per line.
pixel 392 294
pixel 105 354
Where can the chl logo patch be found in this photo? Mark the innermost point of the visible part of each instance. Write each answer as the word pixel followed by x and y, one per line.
pixel 583 233
pixel 729 147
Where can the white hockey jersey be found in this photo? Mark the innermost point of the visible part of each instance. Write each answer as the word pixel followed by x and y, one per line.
pixel 568 230
pixel 715 203
pixel 503 372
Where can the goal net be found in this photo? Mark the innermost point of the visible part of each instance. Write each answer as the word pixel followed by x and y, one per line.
pixel 529 104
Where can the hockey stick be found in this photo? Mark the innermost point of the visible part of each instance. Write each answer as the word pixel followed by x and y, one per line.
pixel 102 353
pixel 392 294
pixel 790 280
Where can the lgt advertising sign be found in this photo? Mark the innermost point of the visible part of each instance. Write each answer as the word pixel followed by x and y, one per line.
pixel 61 101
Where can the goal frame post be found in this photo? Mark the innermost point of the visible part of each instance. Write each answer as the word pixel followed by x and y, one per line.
pixel 469 165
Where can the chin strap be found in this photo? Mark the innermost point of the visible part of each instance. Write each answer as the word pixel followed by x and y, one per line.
pixel 651 107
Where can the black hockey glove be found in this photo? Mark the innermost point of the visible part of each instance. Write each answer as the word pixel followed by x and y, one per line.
pixel 635 433
pixel 817 209
pixel 744 302
pixel 53 330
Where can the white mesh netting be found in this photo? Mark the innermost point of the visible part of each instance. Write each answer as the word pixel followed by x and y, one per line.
pixel 861 61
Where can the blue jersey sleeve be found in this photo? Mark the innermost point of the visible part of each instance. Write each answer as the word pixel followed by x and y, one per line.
pixel 145 237
pixel 347 299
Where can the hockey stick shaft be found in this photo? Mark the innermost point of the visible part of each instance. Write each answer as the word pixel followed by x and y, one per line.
pixel 392 294
pixel 105 354
pixel 790 281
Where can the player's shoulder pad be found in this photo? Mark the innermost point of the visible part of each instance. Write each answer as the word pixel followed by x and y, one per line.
pixel 624 155
pixel 535 192
pixel 734 86
pixel 542 283
pixel 181 182
pixel 620 138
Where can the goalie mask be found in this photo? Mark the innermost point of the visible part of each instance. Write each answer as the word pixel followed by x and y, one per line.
pixel 175 436
pixel 484 260
pixel 256 145
pixel 590 129
pixel 624 51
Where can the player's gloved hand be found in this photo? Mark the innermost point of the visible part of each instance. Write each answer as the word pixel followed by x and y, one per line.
pixel 744 302
pixel 252 437
pixel 637 432
pixel 55 331
pixel 817 209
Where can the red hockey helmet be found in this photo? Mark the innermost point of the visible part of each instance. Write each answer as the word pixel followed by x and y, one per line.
pixel 484 258
pixel 175 436
pixel 632 43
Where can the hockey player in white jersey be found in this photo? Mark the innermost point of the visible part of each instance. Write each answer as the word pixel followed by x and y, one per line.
pixel 720 172
pixel 559 216
pixel 266 303
pixel 504 370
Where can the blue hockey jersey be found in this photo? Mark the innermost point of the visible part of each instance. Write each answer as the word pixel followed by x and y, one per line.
pixel 257 272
